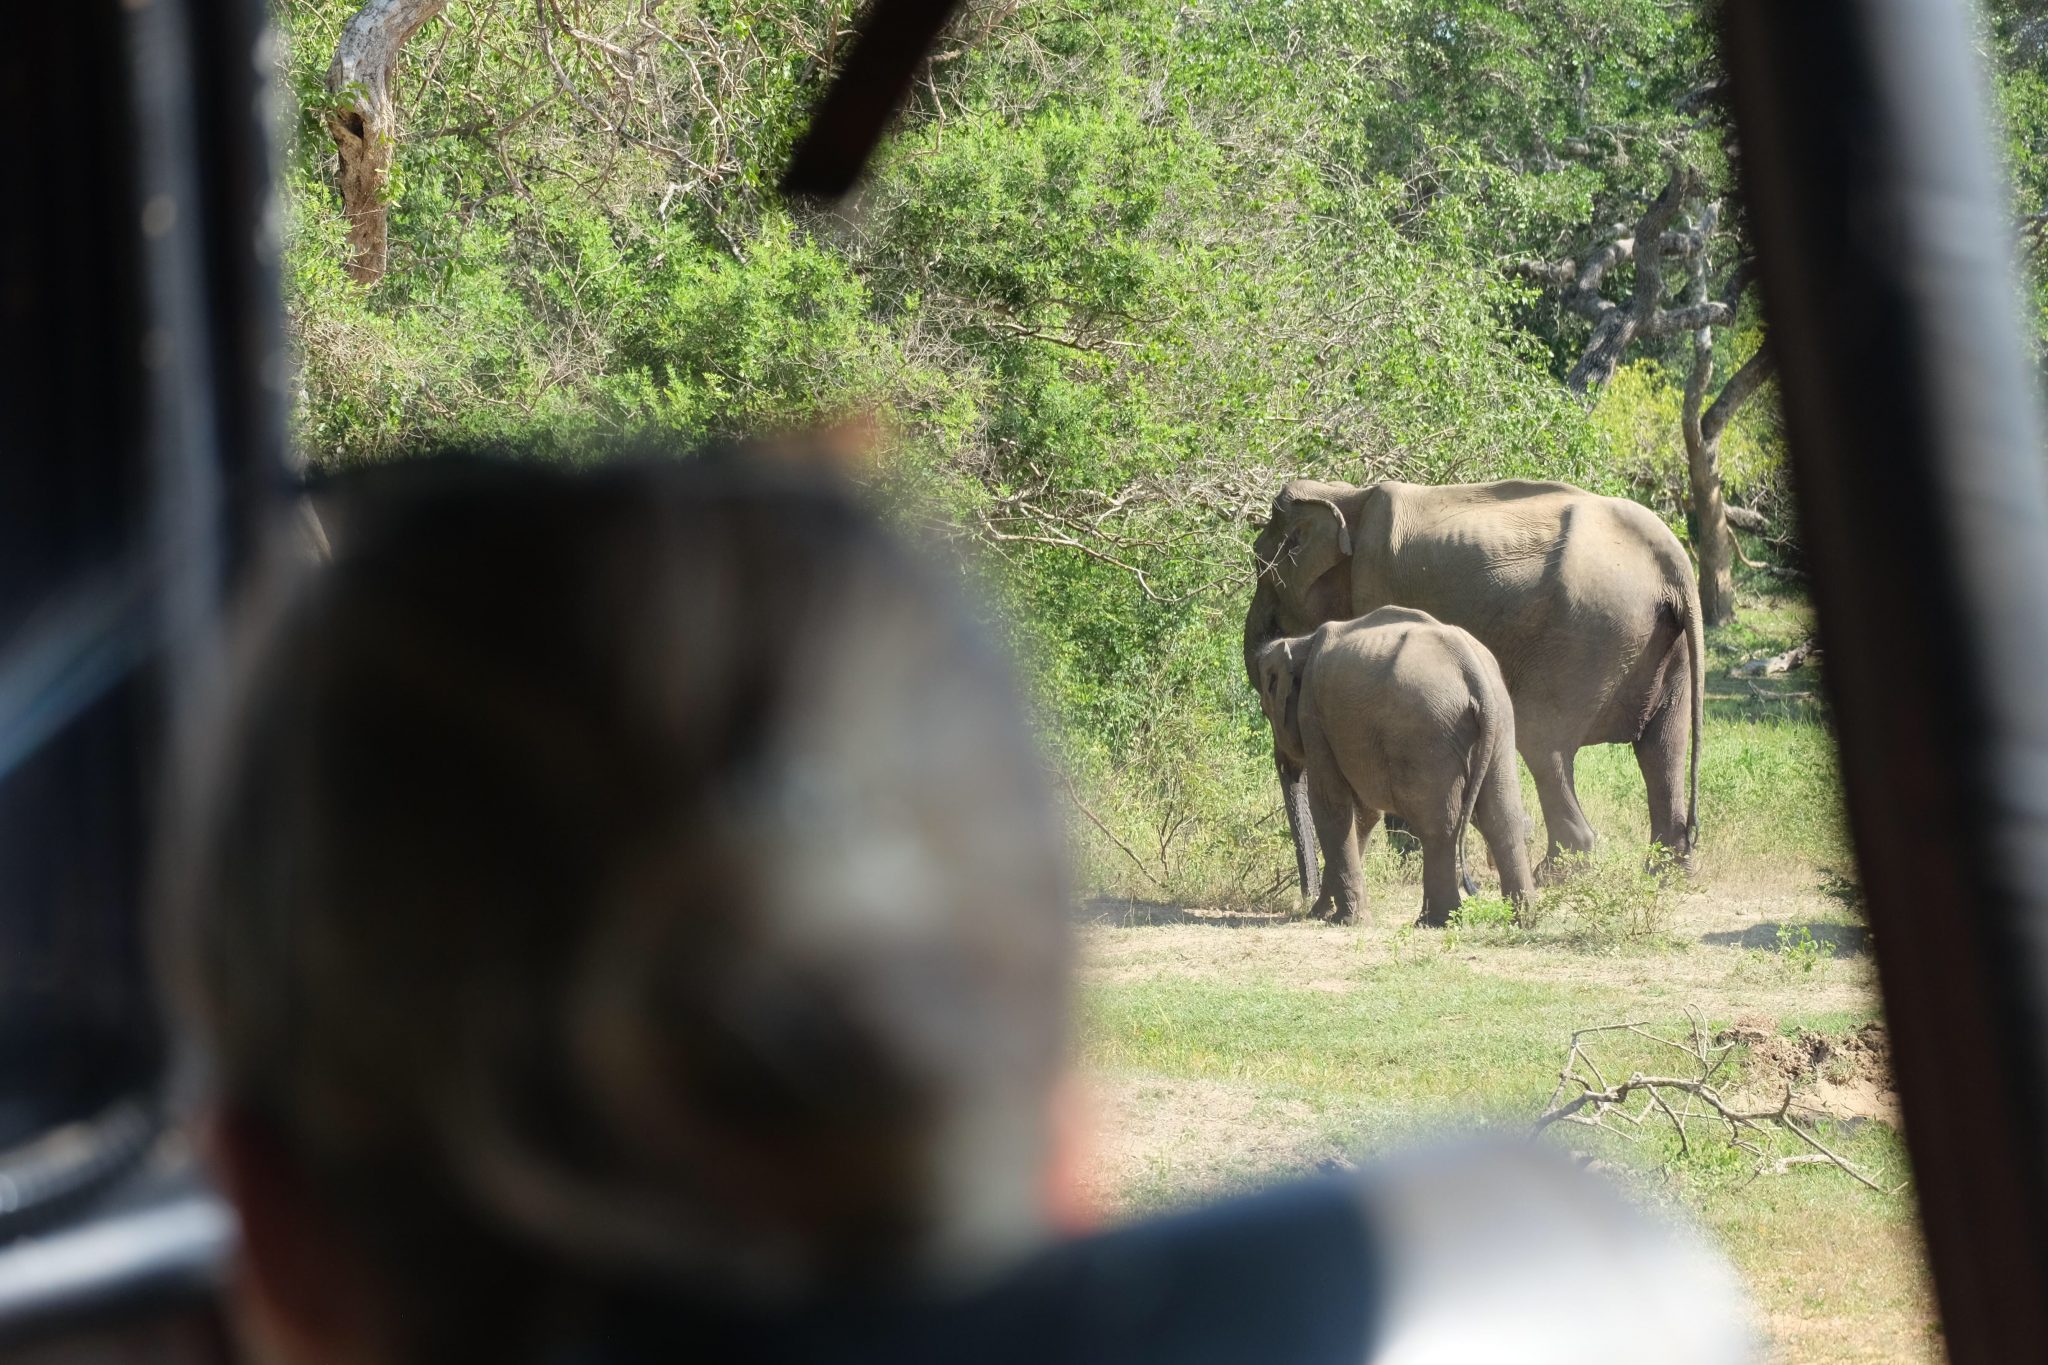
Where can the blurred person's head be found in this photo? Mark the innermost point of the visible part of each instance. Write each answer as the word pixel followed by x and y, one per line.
pixel 639 876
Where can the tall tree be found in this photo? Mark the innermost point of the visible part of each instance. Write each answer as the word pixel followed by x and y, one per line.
pixel 1653 246
pixel 363 118
pixel 1702 429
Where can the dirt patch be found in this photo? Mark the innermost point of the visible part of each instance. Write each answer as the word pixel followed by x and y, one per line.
pixel 1842 1076
pixel 1198 947
pixel 1188 1135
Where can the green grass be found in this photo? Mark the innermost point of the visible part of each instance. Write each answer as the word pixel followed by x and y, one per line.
pixel 1383 1041
pixel 1419 1040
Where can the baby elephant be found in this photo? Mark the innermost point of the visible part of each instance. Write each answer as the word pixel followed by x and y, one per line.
pixel 1399 712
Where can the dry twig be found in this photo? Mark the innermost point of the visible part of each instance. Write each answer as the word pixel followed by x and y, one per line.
pixel 1585 1096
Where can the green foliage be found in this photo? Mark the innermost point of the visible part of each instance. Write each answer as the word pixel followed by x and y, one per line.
pixel 1481 919
pixel 2015 45
pixel 1193 833
pixel 1118 274
pixel 1797 946
pixel 718 346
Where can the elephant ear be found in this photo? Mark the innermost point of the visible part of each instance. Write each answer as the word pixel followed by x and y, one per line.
pixel 1314 539
pixel 1269 669
pixel 1280 690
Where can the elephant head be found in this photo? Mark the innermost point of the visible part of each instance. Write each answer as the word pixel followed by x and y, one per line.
pixel 1303 548
pixel 1279 681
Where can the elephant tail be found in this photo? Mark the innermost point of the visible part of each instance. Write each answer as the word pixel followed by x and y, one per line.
pixel 1476 765
pixel 1491 702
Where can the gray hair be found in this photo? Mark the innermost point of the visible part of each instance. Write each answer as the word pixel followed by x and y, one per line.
pixel 650 865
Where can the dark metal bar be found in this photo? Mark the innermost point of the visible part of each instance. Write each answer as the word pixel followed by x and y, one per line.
pixel 895 35
pixel 1916 449
pixel 142 372
pixel 75 1023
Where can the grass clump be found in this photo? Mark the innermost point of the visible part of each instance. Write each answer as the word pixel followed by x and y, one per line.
pixel 1610 900
pixel 1482 919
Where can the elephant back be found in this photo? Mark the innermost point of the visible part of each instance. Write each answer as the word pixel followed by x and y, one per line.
pixel 1520 564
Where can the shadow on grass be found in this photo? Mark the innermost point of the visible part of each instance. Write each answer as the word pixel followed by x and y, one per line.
pixel 1121 913
pixel 1836 940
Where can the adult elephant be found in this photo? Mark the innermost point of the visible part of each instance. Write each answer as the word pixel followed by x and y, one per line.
pixel 1587 603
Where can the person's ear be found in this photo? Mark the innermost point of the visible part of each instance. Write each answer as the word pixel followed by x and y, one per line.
pixel 1069 1204
pixel 301 1291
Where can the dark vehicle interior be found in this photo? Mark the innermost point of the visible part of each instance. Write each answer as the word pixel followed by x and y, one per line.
pixel 144 387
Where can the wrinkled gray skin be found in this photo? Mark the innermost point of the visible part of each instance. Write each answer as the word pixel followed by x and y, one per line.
pixel 1397 712
pixel 1587 603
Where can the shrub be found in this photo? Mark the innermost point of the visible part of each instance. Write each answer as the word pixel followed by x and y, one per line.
pixel 1797 946
pixel 1609 899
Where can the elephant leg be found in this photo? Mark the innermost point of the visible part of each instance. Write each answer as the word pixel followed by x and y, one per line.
pixel 1662 753
pixel 1562 819
pixel 1439 877
pixel 1338 824
pixel 1498 814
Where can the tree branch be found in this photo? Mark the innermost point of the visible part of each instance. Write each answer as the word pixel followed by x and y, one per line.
pixel 1584 1096
pixel 1618 327
pixel 1737 391
pixel 1670 321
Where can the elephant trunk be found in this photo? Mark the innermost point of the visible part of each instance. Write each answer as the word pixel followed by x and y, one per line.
pixel 1261 624
pixel 1294 796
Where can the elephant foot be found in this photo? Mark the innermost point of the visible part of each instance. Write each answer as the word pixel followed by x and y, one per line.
pixel 1425 920
pixel 1346 915
pixel 1559 867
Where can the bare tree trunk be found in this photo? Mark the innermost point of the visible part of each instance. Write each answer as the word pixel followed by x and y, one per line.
pixel 1703 474
pixel 1746 380
pixel 362 120
pixel 1703 457
pixel 1702 429
pixel 1703 465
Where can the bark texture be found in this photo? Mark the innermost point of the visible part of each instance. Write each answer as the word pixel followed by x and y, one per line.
pixel 362 121
pixel 1615 326
pixel 1703 467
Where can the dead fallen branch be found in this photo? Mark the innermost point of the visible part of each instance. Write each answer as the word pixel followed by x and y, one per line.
pixel 1695 1092
pixel 1776 663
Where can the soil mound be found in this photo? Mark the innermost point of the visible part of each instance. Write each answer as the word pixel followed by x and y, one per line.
pixel 1841 1076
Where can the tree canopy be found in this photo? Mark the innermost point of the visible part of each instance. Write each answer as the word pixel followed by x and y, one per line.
pixel 1122 269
